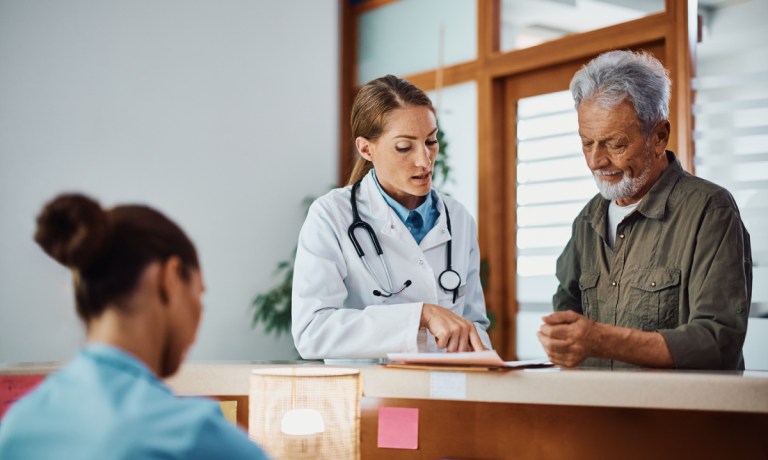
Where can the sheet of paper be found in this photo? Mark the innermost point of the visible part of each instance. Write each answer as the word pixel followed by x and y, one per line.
pixel 448 385
pixel 13 387
pixel 486 358
pixel 529 363
pixel 474 358
pixel 398 428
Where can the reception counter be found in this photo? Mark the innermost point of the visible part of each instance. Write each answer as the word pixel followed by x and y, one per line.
pixel 550 413
pixel 538 413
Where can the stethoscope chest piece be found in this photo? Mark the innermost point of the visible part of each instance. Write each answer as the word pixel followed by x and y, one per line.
pixel 449 280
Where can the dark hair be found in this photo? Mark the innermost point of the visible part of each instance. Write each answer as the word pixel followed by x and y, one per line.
pixel 108 249
pixel 375 100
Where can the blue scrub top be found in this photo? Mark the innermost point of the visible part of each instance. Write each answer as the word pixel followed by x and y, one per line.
pixel 106 404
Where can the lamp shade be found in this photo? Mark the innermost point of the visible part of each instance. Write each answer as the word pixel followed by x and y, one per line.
pixel 306 412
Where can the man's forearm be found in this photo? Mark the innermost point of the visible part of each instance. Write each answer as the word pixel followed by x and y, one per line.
pixel 632 346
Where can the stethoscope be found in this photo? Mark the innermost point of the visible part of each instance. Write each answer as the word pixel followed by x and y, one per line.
pixel 449 279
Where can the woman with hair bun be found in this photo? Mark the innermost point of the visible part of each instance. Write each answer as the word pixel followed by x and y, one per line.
pixel 138 289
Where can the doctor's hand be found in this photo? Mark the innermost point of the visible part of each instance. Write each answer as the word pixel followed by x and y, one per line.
pixel 451 331
pixel 567 337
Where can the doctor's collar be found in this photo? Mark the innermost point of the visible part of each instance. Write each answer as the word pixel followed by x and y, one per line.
pixel 402 212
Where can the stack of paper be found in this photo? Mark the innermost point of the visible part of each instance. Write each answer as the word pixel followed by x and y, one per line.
pixel 486 359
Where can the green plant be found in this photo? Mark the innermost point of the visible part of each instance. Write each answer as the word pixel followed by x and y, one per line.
pixel 273 308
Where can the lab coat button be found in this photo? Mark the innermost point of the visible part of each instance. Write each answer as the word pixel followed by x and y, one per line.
pixel 421 261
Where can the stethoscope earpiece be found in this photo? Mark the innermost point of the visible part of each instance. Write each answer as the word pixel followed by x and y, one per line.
pixel 449 280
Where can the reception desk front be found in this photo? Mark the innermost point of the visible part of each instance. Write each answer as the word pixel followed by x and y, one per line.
pixel 550 413
pixel 541 413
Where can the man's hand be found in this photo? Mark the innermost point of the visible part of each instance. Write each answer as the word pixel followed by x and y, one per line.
pixel 568 338
pixel 452 332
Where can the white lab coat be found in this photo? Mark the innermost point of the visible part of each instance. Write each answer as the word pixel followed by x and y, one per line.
pixel 336 315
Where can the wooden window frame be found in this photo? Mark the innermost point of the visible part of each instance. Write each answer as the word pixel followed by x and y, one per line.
pixel 675 29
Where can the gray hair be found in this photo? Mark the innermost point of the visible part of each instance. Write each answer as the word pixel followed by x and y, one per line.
pixel 616 76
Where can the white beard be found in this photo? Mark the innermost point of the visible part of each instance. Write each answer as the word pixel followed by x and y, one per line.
pixel 627 187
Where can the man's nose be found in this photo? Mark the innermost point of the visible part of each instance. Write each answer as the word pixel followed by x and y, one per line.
pixel 596 156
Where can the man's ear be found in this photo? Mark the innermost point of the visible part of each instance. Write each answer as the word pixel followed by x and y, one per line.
pixel 660 137
pixel 170 279
pixel 363 146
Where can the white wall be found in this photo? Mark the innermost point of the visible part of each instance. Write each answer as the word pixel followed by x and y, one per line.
pixel 222 114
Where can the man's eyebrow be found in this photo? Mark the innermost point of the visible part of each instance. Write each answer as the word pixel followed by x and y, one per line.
pixel 610 137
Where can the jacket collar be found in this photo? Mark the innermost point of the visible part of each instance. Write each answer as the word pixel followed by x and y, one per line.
pixel 654 204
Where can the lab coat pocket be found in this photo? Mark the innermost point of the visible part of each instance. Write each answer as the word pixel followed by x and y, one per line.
pixel 654 298
pixel 445 299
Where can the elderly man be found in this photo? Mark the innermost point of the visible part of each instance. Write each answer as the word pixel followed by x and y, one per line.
pixel 658 271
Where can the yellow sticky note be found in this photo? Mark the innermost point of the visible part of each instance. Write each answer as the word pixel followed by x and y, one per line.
pixel 229 409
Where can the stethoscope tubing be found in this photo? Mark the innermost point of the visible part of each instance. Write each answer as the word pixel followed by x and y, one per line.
pixel 359 223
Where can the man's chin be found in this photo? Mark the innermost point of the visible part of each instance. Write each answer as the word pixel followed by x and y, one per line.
pixel 617 191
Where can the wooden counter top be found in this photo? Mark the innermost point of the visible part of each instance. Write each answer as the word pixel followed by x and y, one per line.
pixel 652 389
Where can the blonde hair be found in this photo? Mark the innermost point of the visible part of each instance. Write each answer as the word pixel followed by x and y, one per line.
pixel 375 100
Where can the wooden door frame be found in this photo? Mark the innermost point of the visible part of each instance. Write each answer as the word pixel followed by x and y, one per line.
pixel 675 30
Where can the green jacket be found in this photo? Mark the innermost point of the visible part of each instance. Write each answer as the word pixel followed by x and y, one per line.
pixel 682 266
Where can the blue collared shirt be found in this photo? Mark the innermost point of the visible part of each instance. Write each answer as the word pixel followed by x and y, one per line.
pixel 418 221
pixel 108 404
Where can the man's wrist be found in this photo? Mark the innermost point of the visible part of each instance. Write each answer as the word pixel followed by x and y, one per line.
pixel 596 339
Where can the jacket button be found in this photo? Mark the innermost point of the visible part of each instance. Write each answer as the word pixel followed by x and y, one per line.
pixel 653 284
pixel 621 236
pixel 613 284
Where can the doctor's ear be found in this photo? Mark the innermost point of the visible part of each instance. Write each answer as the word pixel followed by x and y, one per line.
pixel 363 146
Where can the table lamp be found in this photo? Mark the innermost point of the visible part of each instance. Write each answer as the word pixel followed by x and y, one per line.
pixel 306 412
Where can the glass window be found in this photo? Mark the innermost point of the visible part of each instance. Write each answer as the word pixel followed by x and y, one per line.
pixel 731 112
pixel 553 185
pixel 411 36
pixel 526 23
pixel 457 117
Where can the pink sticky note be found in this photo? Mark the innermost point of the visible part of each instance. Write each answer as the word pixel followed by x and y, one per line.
pixel 13 387
pixel 398 427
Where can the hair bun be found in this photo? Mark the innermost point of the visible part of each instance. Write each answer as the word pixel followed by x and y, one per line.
pixel 73 230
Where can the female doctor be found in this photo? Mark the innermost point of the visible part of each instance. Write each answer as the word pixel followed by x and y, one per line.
pixel 387 263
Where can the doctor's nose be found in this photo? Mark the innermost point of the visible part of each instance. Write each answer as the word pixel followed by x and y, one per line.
pixel 424 157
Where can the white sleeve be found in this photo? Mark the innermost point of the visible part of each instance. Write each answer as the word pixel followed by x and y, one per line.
pixel 323 326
